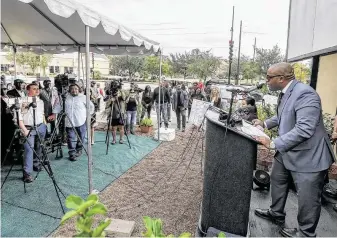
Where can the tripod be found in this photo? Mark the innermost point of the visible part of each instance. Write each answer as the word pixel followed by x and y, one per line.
pixel 61 119
pixel 45 162
pixel 107 138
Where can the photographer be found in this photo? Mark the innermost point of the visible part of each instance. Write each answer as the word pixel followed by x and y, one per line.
pixel 76 108
pixel 26 123
pixel 146 102
pixel 132 102
pixel 115 109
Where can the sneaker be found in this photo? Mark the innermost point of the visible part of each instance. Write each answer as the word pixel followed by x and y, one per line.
pixel 72 158
pixel 27 178
pixel 78 153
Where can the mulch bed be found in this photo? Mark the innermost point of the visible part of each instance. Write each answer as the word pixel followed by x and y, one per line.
pixel 167 184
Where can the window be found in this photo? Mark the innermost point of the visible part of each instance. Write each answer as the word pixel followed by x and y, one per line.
pixel 4 67
pixel 66 70
pixel 57 69
pixel 71 70
pixel 51 69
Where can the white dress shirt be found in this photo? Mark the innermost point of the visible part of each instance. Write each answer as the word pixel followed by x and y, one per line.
pixel 27 115
pixel 76 109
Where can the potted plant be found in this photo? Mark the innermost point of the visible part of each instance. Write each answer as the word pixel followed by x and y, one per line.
pixel 146 125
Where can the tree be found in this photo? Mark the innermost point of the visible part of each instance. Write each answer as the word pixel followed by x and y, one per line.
pixel 151 65
pixel 267 57
pixel 125 64
pixel 302 72
pixel 203 64
pixel 21 58
pixel 33 61
pixel 45 60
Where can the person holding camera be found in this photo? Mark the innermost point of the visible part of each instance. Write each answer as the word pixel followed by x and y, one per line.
pixel 132 102
pixel 94 96
pixel 115 109
pixel 76 109
pixel 146 102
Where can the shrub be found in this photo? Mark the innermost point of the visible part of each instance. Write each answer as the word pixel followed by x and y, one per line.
pixel 146 122
pixel 264 112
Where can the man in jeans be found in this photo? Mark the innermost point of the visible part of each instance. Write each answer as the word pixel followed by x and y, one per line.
pixel 76 109
pixel 161 105
pixel 179 105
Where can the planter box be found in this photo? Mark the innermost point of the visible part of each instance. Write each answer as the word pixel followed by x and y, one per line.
pixel 146 129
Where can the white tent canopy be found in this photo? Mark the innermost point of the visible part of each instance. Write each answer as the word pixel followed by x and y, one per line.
pixel 57 26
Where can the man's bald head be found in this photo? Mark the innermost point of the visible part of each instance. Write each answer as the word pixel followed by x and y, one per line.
pixel 279 75
pixel 284 69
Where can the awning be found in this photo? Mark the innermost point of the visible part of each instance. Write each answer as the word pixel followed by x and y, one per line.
pixel 56 26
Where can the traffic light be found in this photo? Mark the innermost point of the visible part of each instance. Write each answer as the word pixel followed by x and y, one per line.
pixel 231 44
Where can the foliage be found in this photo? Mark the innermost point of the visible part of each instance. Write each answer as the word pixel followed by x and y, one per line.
pixel 146 122
pixel 264 112
pixel 84 211
pixel 328 121
pixel 45 60
pixel 97 74
pixel 267 57
pixel 203 64
pixel 154 228
pixel 127 65
pixel 302 72
pixel 221 235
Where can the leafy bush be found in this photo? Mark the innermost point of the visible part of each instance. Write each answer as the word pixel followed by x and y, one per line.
pixel 264 112
pixel 146 122
pixel 97 74
pixel 85 210
pixel 328 121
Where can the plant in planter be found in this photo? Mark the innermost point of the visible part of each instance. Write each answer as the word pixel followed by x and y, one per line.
pixel 154 228
pixel 146 125
pixel 84 211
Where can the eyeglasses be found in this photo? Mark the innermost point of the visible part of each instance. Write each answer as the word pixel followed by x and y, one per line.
pixel 269 77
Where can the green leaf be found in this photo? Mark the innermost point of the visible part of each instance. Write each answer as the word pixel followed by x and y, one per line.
pixel 85 205
pixel 84 224
pixel 221 234
pixel 148 225
pixel 98 208
pixel 83 234
pixel 185 235
pixel 92 197
pixel 68 215
pixel 73 202
pixel 158 228
pixel 97 232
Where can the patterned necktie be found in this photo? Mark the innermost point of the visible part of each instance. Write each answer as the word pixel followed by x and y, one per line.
pixel 279 99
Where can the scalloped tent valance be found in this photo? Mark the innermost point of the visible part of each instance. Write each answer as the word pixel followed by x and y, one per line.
pixel 57 26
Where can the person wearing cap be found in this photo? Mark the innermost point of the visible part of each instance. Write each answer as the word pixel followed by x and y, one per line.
pixel 51 100
pixel 16 92
pixel 76 109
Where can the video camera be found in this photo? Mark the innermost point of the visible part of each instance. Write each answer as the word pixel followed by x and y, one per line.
pixel 62 82
pixel 115 85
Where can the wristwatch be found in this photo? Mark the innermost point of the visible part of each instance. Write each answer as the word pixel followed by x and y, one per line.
pixel 272 145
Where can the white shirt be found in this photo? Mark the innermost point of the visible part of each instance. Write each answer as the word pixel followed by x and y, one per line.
pixel 76 109
pixel 284 90
pixel 27 116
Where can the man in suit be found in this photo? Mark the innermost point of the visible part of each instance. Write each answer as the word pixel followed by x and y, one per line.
pixel 303 151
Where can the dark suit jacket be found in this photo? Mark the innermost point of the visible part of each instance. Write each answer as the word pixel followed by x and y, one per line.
pixel 13 93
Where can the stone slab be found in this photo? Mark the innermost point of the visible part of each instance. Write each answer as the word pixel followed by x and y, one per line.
pixel 120 228
pixel 168 134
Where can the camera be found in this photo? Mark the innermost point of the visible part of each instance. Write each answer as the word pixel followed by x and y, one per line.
pixel 115 86
pixel 63 81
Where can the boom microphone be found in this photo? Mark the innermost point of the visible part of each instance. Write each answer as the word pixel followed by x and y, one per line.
pixel 236 90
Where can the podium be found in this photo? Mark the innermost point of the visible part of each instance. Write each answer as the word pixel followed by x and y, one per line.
pixel 230 158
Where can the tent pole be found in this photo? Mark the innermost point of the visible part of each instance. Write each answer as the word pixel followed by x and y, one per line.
pixel 79 64
pixel 159 106
pixel 87 69
pixel 14 54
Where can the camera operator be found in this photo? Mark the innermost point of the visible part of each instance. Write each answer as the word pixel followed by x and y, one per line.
pixel 94 96
pixel 17 91
pixel 76 109
pixel 115 109
pixel 26 123
pixel 161 104
pixel 146 102
pixel 52 105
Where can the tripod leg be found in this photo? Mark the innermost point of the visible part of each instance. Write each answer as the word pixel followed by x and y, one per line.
pixel 10 169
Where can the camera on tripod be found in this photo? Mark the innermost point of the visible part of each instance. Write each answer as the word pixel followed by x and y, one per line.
pixel 63 81
pixel 115 86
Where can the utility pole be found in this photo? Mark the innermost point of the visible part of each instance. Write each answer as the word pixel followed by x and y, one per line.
pixel 239 54
pixel 254 49
pixel 231 43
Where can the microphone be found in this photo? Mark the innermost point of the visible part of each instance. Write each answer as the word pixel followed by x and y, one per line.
pixel 258 86
pixel 34 104
pixel 236 90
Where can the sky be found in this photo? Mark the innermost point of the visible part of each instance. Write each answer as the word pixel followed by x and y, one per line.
pixel 182 25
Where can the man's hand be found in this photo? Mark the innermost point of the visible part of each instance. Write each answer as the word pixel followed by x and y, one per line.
pixel 51 117
pixel 25 132
pixel 263 140
pixel 258 122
